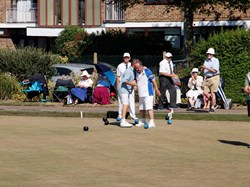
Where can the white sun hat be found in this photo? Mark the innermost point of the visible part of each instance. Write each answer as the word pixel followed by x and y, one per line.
pixel 195 70
pixel 210 51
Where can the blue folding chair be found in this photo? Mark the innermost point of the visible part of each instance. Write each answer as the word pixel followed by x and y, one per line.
pixel 35 86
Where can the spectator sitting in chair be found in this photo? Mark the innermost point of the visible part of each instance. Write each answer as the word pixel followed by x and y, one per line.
pixel 101 94
pixel 80 92
pixel 195 84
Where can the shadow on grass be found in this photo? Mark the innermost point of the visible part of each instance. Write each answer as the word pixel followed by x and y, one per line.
pixel 236 143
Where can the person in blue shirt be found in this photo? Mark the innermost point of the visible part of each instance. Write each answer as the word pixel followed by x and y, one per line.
pixel 125 90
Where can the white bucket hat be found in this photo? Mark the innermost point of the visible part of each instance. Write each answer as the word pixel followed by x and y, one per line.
pixel 168 55
pixel 195 70
pixel 85 73
pixel 126 55
pixel 210 51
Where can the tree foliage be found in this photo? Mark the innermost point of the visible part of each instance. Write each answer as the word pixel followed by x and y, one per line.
pixel 24 62
pixel 8 86
pixel 69 41
pixel 115 42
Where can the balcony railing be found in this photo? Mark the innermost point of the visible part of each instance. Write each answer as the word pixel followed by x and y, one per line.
pixel 13 15
pixel 114 11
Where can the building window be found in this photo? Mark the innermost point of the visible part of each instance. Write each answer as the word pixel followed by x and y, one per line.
pixel 34 4
pixel 81 12
pixel 114 11
pixel 58 12
pixel 161 35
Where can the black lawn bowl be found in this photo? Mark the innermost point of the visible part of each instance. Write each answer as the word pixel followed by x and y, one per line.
pixel 85 128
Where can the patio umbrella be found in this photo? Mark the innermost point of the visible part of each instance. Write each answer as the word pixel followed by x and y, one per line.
pixel 101 68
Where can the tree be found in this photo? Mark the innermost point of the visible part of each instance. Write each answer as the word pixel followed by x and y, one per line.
pixel 70 41
pixel 190 8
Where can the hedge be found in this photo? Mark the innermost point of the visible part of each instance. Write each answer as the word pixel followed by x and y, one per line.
pixel 23 62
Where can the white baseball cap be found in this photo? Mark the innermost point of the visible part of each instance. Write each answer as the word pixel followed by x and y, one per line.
pixel 126 55
pixel 168 55
pixel 210 51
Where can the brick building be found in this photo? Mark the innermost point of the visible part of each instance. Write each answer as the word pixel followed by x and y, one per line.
pixel 39 22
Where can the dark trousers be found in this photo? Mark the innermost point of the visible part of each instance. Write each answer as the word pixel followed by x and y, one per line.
pixel 248 107
pixel 167 84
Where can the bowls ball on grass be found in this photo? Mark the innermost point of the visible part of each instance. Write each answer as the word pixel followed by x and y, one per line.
pixel 85 128
pixel 169 121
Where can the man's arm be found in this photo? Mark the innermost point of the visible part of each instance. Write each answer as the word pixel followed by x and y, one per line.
pixel 169 75
pixel 158 93
pixel 133 83
pixel 247 89
pixel 117 82
pixel 209 69
pixel 215 67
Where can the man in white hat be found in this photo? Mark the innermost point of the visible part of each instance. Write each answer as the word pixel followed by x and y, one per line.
pixel 211 69
pixel 166 74
pixel 121 68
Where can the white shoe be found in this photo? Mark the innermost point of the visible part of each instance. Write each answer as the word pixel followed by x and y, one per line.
pixel 125 124
pixel 151 125
pixel 139 124
pixel 171 110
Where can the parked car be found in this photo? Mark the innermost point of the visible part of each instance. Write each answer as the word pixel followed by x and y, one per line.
pixel 68 69
pixel 76 68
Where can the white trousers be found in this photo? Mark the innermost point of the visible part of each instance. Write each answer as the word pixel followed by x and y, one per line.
pixel 131 106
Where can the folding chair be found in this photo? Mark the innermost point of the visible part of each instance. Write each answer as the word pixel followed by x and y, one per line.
pixel 62 89
pixel 227 103
pixel 35 85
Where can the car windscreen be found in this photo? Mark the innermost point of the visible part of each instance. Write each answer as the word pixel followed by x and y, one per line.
pixel 62 71
pixel 89 70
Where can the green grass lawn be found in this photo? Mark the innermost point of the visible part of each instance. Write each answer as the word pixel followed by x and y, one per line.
pixel 48 151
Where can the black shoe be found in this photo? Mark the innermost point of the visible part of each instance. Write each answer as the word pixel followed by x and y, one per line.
pixel 211 110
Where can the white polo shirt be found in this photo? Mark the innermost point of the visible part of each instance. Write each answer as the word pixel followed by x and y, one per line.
pixel 144 83
pixel 165 66
pixel 121 68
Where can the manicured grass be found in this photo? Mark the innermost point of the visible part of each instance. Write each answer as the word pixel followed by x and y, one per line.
pixel 48 151
pixel 177 116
